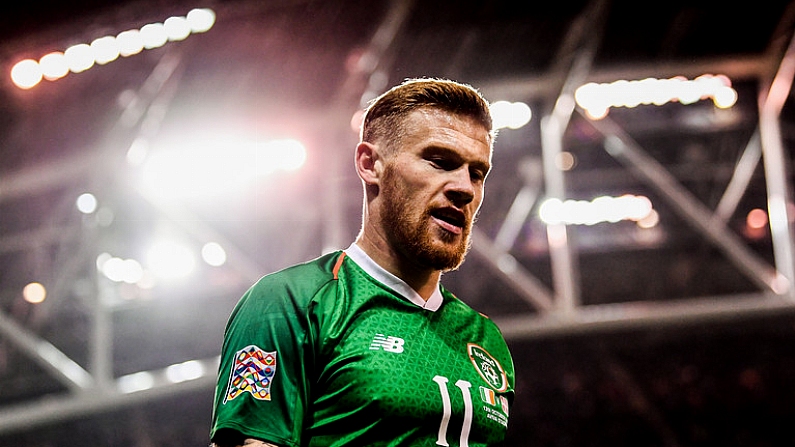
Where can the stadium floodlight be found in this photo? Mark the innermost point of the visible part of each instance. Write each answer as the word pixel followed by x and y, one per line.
pixel 79 58
pixel 28 73
pixel 54 66
pixel 34 293
pixel 511 115
pixel 601 209
pixel 206 167
pixel 169 260
pixel 598 99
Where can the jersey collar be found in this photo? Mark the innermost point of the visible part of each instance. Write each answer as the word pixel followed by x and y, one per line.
pixel 367 264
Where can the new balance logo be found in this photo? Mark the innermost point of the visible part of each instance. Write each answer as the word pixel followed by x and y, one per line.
pixel 387 343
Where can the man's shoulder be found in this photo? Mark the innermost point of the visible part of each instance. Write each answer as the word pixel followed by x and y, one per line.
pixel 307 275
pixel 462 307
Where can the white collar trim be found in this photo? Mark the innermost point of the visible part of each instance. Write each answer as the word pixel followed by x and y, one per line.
pixel 367 264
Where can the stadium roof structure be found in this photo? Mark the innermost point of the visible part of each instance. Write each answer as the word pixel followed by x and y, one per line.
pixel 95 348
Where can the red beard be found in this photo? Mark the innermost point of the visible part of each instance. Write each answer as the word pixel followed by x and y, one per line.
pixel 413 234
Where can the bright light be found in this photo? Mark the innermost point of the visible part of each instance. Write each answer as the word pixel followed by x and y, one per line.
pixel 725 98
pixel 208 167
pixel 86 203
pixel 26 73
pixel 138 151
pixel 597 99
pixel 168 259
pixel 202 171
pixel 153 35
pixel 79 58
pixel 116 269
pixel 130 42
pixel 135 382
pixel 53 65
pixel 182 372
pixel 565 161
pixel 82 56
pixel 201 19
pixel 650 221
pixel 286 155
pixel 34 293
pixel 213 254
pixel 601 209
pixel 105 49
pixel 177 28
pixel 756 219
pixel 512 115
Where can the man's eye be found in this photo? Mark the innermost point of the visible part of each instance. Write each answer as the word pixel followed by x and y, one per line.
pixel 442 163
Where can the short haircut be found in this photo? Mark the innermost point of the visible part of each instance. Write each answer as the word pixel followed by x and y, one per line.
pixel 384 117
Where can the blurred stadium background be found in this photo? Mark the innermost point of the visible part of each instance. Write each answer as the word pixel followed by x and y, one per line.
pixel 635 244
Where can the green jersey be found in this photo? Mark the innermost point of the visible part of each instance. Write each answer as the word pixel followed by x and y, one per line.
pixel 339 352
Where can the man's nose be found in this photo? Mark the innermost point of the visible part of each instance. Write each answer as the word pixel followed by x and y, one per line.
pixel 460 188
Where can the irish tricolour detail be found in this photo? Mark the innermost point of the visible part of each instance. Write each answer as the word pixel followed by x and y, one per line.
pixel 488 367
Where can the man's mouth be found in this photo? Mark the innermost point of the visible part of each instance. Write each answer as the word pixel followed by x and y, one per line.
pixel 450 219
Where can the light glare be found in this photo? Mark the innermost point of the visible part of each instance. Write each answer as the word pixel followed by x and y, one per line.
pixel 86 203
pixel 207 167
pixel 34 293
pixel 79 58
pixel 177 28
pixel 105 49
pixel 116 269
pixel 183 372
pixel 170 260
pixel 597 99
pixel 139 381
pixel 511 115
pixel 601 209
pixel 213 254
pixel 130 42
pixel 287 155
pixel 756 219
pixel 153 35
pixel 26 74
pixel 53 65
pixel 201 19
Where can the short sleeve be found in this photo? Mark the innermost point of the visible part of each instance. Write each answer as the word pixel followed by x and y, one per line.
pixel 263 380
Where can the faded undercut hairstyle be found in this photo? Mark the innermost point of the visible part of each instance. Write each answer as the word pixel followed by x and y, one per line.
pixel 384 117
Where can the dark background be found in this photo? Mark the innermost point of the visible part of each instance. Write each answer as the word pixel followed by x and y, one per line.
pixel 670 343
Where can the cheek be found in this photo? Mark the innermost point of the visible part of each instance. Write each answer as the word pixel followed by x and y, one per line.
pixel 478 199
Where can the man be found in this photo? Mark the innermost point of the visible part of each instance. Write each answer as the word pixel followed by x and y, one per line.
pixel 364 347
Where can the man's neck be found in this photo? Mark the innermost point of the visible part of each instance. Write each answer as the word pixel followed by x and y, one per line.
pixel 423 281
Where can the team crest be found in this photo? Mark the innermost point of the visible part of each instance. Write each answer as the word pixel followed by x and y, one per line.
pixel 252 372
pixel 488 367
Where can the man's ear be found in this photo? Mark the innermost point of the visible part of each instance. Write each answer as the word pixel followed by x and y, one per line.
pixel 368 163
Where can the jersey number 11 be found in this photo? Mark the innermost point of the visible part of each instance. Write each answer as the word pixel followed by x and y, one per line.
pixel 464 386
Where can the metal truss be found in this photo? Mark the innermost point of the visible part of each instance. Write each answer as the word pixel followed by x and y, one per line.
pixel 94 389
pixel 558 309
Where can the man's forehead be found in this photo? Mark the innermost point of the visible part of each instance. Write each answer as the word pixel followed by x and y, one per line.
pixel 444 121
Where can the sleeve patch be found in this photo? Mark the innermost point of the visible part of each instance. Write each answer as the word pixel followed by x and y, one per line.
pixel 252 372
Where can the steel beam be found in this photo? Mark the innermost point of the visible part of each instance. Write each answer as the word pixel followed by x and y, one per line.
pixel 779 196
pixel 511 271
pixel 53 409
pixel 50 358
pixel 652 314
pixel 626 150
